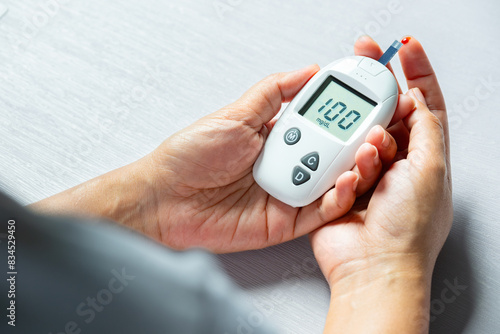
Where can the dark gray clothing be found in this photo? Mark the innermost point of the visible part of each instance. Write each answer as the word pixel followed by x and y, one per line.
pixel 80 276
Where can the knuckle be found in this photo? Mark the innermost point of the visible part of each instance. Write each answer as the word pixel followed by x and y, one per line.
pixel 273 78
pixel 436 122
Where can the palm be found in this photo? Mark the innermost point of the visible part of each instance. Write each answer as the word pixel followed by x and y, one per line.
pixel 213 201
pixel 368 228
pixel 373 227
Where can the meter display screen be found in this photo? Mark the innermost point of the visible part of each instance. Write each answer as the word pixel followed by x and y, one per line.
pixel 337 108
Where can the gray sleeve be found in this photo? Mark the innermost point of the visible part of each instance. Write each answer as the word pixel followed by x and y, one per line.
pixel 76 276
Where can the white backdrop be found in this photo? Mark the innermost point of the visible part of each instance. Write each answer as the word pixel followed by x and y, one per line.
pixel 88 86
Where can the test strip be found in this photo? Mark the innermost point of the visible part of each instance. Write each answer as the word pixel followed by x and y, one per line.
pixel 390 52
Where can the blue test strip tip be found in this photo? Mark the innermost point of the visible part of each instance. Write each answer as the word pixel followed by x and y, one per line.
pixel 390 52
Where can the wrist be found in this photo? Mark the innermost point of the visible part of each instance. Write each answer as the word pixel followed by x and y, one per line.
pixel 365 270
pixel 389 294
pixel 129 198
pixel 125 195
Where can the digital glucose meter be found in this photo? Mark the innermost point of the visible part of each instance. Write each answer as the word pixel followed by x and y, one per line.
pixel 316 138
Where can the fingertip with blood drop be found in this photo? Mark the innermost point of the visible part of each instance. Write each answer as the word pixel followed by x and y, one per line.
pixel 405 40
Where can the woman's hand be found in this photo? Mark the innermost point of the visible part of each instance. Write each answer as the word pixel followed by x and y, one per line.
pixel 197 189
pixel 205 191
pixel 379 257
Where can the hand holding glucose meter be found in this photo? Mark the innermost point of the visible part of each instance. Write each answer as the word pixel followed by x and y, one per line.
pixel 316 138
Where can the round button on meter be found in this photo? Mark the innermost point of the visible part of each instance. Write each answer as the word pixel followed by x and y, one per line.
pixel 292 136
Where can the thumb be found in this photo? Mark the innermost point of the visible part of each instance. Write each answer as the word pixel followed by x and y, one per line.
pixel 263 101
pixel 426 148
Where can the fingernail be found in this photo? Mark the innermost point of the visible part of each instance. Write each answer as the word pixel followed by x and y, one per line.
pixel 385 140
pixel 376 158
pixel 403 97
pixel 355 183
pixel 417 93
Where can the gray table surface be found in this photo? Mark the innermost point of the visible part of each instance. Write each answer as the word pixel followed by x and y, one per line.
pixel 88 86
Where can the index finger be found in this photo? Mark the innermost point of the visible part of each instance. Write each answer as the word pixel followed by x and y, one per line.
pixel 419 73
pixel 427 146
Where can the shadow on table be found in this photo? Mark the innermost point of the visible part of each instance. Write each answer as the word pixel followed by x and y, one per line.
pixel 290 262
pixel 453 291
